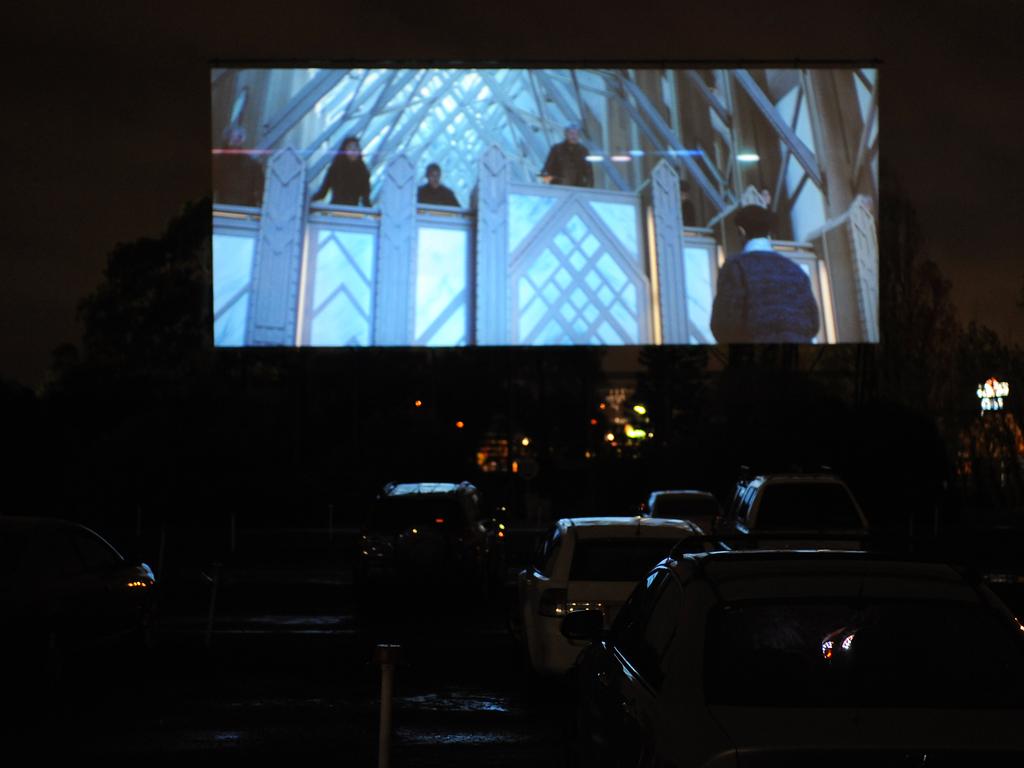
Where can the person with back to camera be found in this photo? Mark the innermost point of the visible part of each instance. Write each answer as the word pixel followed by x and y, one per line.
pixel 567 162
pixel 762 296
pixel 347 178
pixel 434 192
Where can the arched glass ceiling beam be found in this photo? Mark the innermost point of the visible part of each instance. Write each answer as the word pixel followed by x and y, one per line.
pixel 535 148
pixel 710 97
pixel 300 105
pixel 396 80
pixel 652 124
pixel 416 122
pixel 865 147
pixel 800 151
pixel 780 179
pixel 392 142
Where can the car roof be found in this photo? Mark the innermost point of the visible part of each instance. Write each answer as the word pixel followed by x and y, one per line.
pixel 777 573
pixel 420 489
pixel 796 477
pixel 683 493
pixel 610 526
pixel 17 523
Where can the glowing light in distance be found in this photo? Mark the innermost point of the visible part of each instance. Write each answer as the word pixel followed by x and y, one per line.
pixel 602 406
pixel 620 158
pixel 501 534
pixel 826 649
pixel 137 584
pixel 515 467
pixel 634 433
pixel 593 422
pixel 501 526
pixel 609 437
pixel 418 403
pixel 594 158
pixel 438 520
pixel 991 394
pixel 525 441
pixel 636 152
pixel 748 157
pixel 642 410
pixel 415 530
pixel 847 642
pixel 460 424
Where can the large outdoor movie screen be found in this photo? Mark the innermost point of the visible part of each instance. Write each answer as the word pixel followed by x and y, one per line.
pixel 449 207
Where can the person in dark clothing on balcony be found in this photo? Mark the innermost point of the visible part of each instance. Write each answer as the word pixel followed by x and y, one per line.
pixel 567 162
pixel 762 296
pixel 686 204
pixel 237 175
pixel 434 192
pixel 347 178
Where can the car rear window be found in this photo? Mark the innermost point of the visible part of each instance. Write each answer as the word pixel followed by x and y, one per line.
pixel 807 506
pixel 397 514
pixel 684 508
pixel 933 653
pixel 617 559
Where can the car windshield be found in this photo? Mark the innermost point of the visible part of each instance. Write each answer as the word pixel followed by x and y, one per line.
pixel 685 507
pixel 807 506
pixel 930 653
pixel 400 513
pixel 618 559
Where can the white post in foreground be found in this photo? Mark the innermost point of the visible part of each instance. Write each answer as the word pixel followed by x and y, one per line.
pixel 387 656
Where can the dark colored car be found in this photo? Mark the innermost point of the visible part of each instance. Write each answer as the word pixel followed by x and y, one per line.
pixel 795 502
pixel 801 658
pixel 64 586
pixel 430 533
pixel 699 507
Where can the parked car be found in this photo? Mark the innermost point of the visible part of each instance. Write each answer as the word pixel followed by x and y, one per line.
pixel 801 658
pixel 434 532
pixel 797 502
pixel 699 507
pixel 587 563
pixel 64 586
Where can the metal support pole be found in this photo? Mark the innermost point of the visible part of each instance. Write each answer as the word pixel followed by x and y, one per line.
pixel 160 551
pixel 213 604
pixel 387 656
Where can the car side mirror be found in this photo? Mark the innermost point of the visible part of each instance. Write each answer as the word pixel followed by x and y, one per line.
pixel 583 625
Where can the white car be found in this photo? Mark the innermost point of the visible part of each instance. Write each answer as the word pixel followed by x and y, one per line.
pixel 587 563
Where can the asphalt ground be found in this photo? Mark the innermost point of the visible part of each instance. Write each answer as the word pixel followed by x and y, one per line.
pixel 285 669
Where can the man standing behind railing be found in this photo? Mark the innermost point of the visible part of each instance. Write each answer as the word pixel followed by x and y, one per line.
pixel 762 296
pixel 434 192
pixel 567 162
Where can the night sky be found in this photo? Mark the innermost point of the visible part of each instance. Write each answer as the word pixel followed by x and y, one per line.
pixel 106 125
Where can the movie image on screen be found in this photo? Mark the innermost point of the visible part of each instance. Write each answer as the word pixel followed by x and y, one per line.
pixel 448 207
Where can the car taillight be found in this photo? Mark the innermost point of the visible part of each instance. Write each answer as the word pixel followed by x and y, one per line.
pixel 552 602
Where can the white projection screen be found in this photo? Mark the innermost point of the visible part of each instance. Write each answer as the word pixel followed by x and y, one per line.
pixel 448 207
